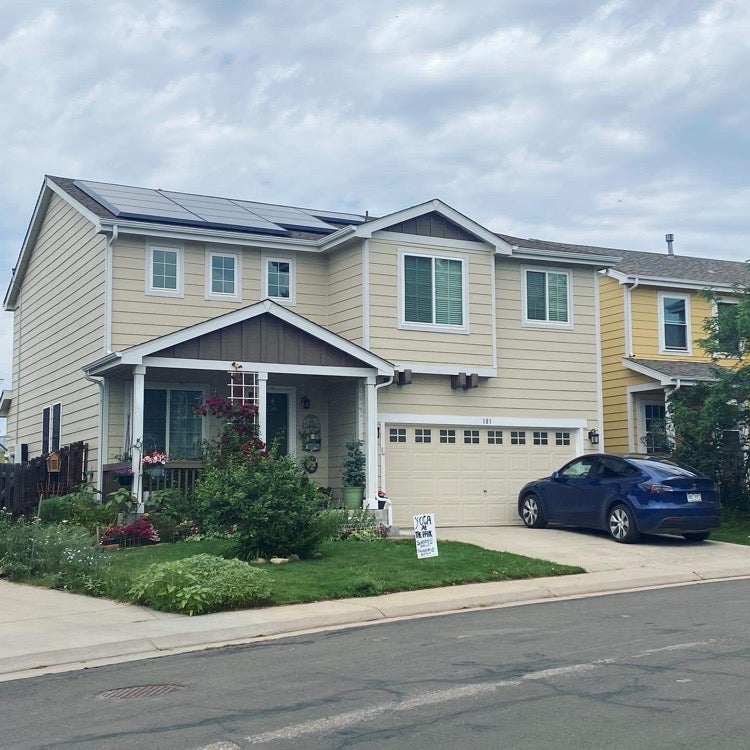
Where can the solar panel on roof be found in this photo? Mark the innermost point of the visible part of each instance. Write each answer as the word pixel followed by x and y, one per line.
pixel 134 202
pixel 223 212
pixel 286 216
pixel 338 217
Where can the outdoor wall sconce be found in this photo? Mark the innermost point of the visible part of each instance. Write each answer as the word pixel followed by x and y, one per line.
pixel 593 437
pixel 305 401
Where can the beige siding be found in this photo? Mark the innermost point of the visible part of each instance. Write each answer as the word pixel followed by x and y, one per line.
pixel 465 350
pixel 345 293
pixel 59 326
pixel 342 425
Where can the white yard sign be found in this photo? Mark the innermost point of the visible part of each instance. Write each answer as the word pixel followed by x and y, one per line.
pixel 425 536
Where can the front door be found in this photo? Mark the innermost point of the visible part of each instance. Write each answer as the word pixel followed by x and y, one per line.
pixel 277 421
pixel 654 421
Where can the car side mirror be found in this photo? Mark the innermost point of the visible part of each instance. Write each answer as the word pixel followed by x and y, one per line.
pixel 555 476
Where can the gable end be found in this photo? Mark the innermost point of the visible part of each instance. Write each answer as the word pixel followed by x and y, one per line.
pixel 432 224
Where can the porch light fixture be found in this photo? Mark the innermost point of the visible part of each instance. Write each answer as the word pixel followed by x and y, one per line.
pixel 53 463
pixel 305 401
pixel 593 437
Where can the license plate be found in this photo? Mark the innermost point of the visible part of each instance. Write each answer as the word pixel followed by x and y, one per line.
pixel 693 497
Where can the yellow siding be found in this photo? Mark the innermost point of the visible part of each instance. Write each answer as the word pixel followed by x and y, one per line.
pixel 59 326
pixel 465 350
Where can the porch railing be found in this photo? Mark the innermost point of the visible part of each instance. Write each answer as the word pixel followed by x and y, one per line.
pixel 180 475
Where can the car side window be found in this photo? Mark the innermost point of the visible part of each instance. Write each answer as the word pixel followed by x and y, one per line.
pixel 578 469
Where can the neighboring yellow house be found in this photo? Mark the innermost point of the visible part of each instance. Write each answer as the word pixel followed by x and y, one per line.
pixel 652 312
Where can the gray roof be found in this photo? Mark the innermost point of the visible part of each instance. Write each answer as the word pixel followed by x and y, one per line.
pixel 676 369
pixel 704 271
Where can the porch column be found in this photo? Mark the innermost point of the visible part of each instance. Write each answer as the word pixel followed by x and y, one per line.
pixel 371 443
pixel 262 405
pixel 139 383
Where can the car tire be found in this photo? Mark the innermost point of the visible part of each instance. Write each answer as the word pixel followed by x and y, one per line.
pixel 696 536
pixel 621 524
pixel 532 513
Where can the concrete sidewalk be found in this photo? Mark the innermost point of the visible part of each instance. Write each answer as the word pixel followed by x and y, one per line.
pixel 44 631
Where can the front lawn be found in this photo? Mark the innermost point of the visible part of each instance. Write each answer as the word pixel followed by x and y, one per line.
pixel 350 568
pixel 735 530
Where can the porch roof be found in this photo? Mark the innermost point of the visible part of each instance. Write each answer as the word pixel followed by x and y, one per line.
pixel 672 373
pixel 264 334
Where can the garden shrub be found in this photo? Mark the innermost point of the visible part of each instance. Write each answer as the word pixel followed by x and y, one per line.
pixel 81 507
pixel 200 584
pixel 173 513
pixel 362 526
pixel 135 534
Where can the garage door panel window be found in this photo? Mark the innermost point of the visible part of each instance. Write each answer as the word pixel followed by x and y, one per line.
pixel 448 436
pixel 494 437
pixel 517 437
pixel 422 436
pixel 397 435
pixel 562 438
pixel 471 437
pixel 541 438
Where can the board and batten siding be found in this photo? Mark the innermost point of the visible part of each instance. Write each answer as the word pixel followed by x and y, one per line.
pixel 468 349
pixel 59 327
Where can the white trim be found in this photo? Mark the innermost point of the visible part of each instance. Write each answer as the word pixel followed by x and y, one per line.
pixel 631 393
pixel 628 320
pixel 215 251
pixel 624 278
pixel 366 294
pixel 640 421
pixel 407 325
pixel 178 363
pixel 48 448
pixel 262 403
pixel 153 291
pixel 493 306
pixel 528 323
pixel 135 354
pixel 423 369
pixel 371 447
pixel 423 240
pixel 661 296
pixel 109 241
pixel 267 258
pixel 489 421
pixel 291 417
pixel 598 345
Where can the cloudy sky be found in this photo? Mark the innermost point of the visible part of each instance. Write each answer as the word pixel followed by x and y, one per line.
pixel 607 123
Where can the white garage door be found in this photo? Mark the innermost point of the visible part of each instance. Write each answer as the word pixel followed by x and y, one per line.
pixel 467 476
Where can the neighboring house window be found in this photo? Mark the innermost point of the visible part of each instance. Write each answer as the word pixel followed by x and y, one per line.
pixel 433 290
pixel 398 434
pixel 447 436
pixel 547 297
pixel 164 271
pixel 562 438
pixel 471 437
pixel 223 276
pixel 674 316
pixel 422 436
pixel 51 416
pixel 278 280
pixel 170 423
pixel 494 437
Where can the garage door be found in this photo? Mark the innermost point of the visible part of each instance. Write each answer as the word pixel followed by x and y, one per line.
pixel 467 476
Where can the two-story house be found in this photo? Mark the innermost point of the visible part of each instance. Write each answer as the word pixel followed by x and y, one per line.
pixel 466 361
pixel 653 308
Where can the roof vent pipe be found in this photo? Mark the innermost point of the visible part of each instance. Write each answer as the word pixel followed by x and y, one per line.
pixel 670 239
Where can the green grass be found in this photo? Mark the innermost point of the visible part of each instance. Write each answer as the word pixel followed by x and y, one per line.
pixel 350 569
pixel 734 529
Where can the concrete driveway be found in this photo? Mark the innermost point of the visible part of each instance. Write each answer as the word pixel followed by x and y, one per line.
pixel 596 552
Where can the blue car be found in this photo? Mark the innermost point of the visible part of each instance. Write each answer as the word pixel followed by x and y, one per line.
pixel 625 495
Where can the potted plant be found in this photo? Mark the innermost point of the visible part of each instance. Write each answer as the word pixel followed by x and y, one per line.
pixel 124 476
pixel 154 463
pixel 353 475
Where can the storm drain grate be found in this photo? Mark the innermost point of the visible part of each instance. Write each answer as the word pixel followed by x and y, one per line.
pixel 138 691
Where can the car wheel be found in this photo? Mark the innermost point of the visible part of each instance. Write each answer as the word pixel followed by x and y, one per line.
pixel 621 525
pixel 532 513
pixel 697 536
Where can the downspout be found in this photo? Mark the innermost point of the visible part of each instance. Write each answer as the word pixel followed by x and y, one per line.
pixel 388 506
pixel 102 440
pixel 628 317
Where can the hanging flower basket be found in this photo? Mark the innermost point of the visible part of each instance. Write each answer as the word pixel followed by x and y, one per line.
pixel 154 464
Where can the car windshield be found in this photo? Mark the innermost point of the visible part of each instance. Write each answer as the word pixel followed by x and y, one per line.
pixel 664 466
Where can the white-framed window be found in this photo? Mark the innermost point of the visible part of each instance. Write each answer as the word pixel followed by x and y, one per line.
pixel 471 437
pixel 517 437
pixel 447 436
pixel 223 275
pixel 422 435
pixel 170 423
pixel 674 323
pixel 433 291
pixel 279 279
pixel 51 420
pixel 494 437
pixel 540 438
pixel 164 270
pixel 397 434
pixel 562 438
pixel 546 298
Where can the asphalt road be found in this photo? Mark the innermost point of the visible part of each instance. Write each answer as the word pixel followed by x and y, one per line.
pixel 666 668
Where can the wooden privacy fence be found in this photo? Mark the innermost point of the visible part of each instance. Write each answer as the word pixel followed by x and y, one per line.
pixel 22 486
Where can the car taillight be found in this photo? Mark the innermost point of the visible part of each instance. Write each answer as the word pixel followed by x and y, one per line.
pixel 656 489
